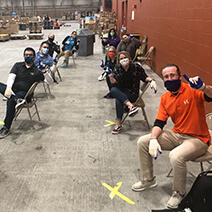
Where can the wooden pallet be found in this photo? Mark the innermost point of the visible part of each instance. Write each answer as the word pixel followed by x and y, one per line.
pixel 17 37
pixel 67 25
pixel 4 37
pixel 35 36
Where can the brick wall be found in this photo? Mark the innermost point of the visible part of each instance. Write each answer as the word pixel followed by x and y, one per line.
pixel 180 30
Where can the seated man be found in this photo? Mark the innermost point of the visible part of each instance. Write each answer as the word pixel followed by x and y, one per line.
pixel 53 47
pixel 189 137
pixel 43 59
pixel 128 44
pixel 21 78
pixel 69 43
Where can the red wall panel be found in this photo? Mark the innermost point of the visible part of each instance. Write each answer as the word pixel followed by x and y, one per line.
pixel 180 31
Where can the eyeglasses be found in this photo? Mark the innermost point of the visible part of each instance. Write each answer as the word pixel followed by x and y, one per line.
pixel 111 51
pixel 28 55
pixel 45 47
pixel 169 76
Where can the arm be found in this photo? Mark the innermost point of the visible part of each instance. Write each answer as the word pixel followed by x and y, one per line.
pixel 64 41
pixel 208 90
pixel 137 42
pixel 10 81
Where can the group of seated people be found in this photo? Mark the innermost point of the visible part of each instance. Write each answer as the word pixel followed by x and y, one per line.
pixel 122 75
pixel 184 103
pixel 37 67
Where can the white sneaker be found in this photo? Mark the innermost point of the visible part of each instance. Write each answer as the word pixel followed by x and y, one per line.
pixel 175 200
pixel 19 102
pixel 102 76
pixel 4 98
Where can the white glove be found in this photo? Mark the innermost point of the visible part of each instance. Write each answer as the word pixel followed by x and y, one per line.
pixel 154 148
pixel 8 92
pixel 153 85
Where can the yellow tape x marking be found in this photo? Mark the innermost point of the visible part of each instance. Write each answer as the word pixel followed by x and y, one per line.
pixel 1 122
pixel 114 191
pixel 109 123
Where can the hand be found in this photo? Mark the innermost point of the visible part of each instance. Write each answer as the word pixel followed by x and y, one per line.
pixel 67 42
pixel 153 85
pixel 8 92
pixel 154 148
pixel 131 36
pixel 102 64
pixel 108 70
pixel 195 82
pixel 42 67
pixel 55 59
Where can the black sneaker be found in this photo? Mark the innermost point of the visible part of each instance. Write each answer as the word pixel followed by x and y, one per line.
pixel 4 132
pixel 109 96
pixel 19 102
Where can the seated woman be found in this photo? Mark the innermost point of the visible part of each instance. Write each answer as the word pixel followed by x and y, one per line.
pixel 68 44
pixel 113 38
pixel 125 79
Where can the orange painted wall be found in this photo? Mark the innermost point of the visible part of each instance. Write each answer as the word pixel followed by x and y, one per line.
pixel 180 30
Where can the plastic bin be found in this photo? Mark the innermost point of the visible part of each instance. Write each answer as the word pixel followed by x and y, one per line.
pixel 87 39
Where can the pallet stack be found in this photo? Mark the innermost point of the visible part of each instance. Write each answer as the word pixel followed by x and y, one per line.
pixel 107 20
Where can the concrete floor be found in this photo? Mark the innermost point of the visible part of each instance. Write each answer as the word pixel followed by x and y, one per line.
pixel 61 165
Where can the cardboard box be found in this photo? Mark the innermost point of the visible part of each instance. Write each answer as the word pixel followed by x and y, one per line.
pixel 5 30
pixel 4 37
pixel 14 28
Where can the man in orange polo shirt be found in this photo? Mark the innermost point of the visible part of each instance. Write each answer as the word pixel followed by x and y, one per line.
pixel 188 139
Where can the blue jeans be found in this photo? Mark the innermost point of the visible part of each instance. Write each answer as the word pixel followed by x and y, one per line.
pixel 11 102
pixel 122 97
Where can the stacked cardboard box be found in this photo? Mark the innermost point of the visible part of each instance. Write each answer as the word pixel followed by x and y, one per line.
pixel 107 20
pixel 91 23
pixel 34 25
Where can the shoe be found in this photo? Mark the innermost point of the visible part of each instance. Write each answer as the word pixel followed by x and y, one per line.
pixel 102 76
pixel 19 102
pixel 64 65
pixel 5 98
pixel 109 96
pixel 117 129
pixel 175 200
pixel 144 184
pixel 4 132
pixel 133 111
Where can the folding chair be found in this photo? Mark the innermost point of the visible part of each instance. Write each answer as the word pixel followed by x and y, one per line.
pixel 142 50
pixel 207 157
pixel 146 57
pixel 140 103
pixel 29 105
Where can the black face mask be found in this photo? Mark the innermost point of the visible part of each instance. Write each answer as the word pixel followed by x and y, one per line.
pixel 51 39
pixel 172 85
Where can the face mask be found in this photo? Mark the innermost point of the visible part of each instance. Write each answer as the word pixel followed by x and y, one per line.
pixel 112 34
pixel 111 54
pixel 126 40
pixel 45 50
pixel 124 62
pixel 172 85
pixel 29 60
pixel 51 39
pixel 73 36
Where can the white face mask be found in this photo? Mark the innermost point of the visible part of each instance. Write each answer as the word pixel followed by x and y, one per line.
pixel 124 62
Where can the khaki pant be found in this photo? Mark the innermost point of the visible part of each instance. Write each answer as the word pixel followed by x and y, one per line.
pixel 183 148
pixel 67 54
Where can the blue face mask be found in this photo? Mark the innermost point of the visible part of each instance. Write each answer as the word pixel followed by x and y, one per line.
pixel 45 50
pixel 29 60
pixel 172 85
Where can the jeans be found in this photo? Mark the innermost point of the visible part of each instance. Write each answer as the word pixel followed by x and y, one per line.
pixel 121 99
pixel 67 54
pixel 182 148
pixel 11 102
